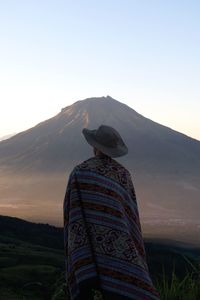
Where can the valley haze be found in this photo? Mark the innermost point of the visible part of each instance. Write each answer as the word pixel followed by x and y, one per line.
pixel 165 167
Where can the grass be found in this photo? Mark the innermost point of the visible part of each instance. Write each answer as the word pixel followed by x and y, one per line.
pixel 175 288
pixel 171 287
pixel 30 272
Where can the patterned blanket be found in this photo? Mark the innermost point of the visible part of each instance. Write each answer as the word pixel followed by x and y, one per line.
pixel 104 248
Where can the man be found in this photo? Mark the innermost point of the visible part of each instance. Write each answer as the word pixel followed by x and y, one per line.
pixel 104 249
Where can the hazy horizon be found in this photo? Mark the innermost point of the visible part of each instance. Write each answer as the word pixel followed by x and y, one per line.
pixel 40 200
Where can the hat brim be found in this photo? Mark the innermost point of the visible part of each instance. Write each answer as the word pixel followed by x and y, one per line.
pixel 118 151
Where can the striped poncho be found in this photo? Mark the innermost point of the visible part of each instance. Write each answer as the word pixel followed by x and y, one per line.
pixel 104 249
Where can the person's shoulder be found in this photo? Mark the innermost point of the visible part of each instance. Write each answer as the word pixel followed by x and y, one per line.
pixel 86 164
pixel 120 166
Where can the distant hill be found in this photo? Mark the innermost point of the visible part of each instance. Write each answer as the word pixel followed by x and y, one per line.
pixel 35 233
pixel 165 165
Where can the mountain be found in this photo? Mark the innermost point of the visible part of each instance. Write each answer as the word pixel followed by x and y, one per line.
pixel 165 166
pixel 49 145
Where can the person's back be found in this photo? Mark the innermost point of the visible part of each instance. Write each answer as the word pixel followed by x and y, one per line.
pixel 103 240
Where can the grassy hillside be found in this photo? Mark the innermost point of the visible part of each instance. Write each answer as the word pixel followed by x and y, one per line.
pixel 32 262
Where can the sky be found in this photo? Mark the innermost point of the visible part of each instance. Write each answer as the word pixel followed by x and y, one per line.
pixel 145 53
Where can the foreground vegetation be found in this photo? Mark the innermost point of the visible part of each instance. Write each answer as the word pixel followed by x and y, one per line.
pixel 186 288
pixel 37 273
pixel 30 271
pixel 32 267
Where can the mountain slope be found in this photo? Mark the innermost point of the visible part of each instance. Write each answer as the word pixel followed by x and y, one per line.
pixel 57 144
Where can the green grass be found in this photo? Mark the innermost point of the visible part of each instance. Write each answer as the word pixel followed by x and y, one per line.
pixel 30 271
pixel 20 275
pixel 175 288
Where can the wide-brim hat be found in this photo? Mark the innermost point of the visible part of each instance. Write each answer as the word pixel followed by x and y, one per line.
pixel 107 140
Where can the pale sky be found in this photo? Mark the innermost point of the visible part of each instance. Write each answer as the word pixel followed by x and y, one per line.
pixel 145 53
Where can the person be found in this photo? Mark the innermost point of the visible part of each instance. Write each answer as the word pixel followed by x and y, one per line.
pixel 104 249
